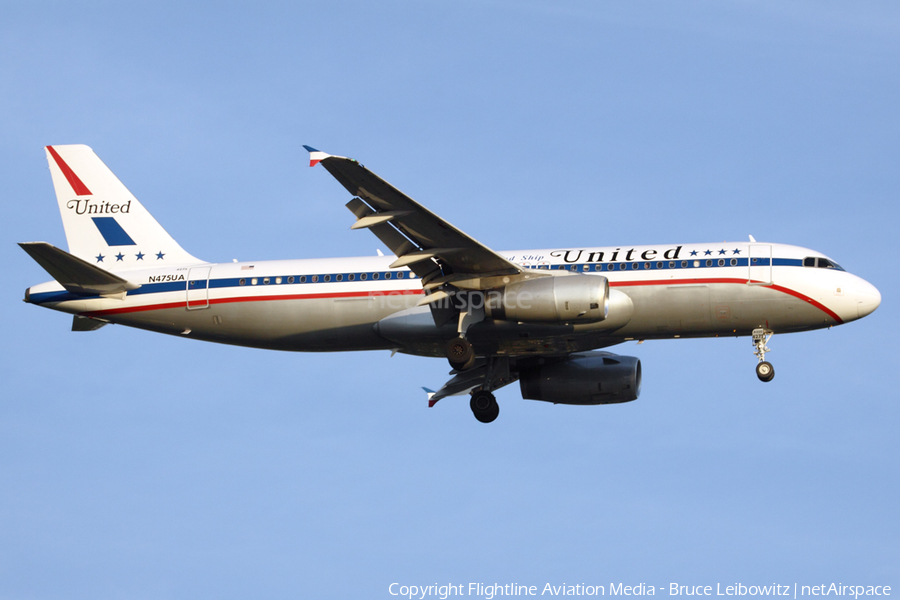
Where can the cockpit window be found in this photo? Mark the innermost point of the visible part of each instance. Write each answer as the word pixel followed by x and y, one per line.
pixel 822 263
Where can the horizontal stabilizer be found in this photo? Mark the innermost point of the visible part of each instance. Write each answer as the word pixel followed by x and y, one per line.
pixel 76 275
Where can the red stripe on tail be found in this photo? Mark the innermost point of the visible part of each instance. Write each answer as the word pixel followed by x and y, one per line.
pixel 77 186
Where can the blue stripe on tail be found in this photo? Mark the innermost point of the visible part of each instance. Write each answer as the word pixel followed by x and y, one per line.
pixel 112 232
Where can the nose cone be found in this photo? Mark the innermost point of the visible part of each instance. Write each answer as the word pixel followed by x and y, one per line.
pixel 868 298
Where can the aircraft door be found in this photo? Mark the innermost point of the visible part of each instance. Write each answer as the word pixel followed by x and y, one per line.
pixel 760 262
pixel 198 288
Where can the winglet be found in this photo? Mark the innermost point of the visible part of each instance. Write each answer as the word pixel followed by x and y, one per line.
pixel 315 156
pixel 430 396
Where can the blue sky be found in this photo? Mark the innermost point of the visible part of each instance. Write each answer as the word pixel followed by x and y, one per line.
pixel 143 466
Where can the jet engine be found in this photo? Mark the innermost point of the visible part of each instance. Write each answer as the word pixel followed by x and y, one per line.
pixel 575 298
pixel 584 378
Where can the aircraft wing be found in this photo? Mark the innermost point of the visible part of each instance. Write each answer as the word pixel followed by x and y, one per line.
pixel 494 376
pixel 431 247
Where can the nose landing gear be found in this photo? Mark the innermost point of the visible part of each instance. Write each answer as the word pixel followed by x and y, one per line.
pixel 764 370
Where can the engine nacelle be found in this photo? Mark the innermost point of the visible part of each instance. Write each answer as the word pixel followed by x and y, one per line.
pixel 584 378
pixel 574 298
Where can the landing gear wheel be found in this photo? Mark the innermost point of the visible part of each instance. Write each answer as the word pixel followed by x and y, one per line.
pixel 484 406
pixel 460 354
pixel 765 371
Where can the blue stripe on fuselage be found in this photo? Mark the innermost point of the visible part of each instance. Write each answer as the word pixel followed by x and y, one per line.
pixel 307 279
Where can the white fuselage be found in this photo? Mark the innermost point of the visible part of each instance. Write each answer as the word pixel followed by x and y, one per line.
pixel 336 304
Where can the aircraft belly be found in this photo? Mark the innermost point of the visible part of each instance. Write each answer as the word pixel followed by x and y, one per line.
pixel 314 325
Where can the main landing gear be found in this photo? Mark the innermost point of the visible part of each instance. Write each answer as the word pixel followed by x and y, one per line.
pixel 460 353
pixel 764 370
pixel 484 406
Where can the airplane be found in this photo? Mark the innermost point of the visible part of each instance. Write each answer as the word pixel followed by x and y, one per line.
pixel 541 317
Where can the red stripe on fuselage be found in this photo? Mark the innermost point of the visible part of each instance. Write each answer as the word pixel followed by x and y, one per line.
pixel 771 286
pixel 212 301
pixel 77 186
pixel 818 305
pixel 181 304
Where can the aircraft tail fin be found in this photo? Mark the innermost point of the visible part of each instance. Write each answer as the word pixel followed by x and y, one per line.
pixel 76 275
pixel 104 223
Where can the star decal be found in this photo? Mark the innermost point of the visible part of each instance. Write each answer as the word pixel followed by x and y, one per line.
pixel 693 253
pixel 120 257
pixel 140 255
pixel 736 251
pixel 722 252
pixel 160 255
pixel 100 258
pixel 707 253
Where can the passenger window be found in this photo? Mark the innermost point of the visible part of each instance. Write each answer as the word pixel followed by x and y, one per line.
pixel 387 275
pixel 242 282
pixel 721 262
pixel 709 263
pixel 326 278
pixel 672 264
pixel 683 264
pixel 291 279
pixel 659 265
pixel 303 279
pixel 363 276
pixel 374 275
pixel 400 275
pixel 265 281
pixel 634 266
pixel 338 277
pixel 646 265
pixel 351 276
pixel 733 262
pixel 623 266
pixel 315 278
